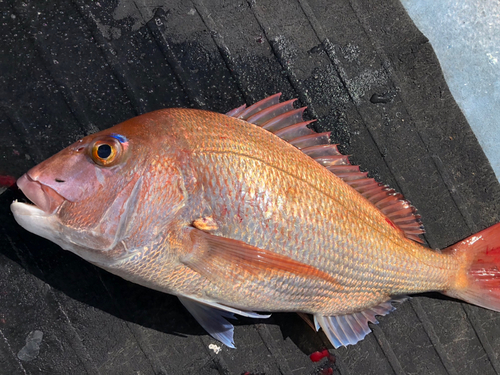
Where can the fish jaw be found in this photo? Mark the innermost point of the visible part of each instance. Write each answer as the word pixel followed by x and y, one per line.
pixel 38 221
pixel 49 226
pixel 41 217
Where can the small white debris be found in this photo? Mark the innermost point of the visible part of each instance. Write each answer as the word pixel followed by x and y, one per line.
pixel 493 60
pixel 215 348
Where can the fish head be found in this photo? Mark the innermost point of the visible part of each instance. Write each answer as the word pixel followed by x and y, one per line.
pixel 92 197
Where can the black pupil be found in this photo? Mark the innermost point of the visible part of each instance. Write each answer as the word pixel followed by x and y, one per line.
pixel 104 151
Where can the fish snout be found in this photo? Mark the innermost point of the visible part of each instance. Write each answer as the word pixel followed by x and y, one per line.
pixel 44 197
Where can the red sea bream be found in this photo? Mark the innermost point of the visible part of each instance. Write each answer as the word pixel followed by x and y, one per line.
pixel 244 212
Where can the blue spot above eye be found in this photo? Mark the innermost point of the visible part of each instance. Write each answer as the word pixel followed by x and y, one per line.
pixel 120 138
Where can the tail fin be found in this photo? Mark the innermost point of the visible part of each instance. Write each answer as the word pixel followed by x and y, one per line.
pixel 480 282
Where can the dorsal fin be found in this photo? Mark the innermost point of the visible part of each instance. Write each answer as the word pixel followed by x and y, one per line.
pixel 286 122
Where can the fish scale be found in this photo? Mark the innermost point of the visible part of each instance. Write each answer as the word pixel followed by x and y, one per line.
pixel 327 215
pixel 235 217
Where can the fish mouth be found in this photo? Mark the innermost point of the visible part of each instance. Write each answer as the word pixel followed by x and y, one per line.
pixel 42 196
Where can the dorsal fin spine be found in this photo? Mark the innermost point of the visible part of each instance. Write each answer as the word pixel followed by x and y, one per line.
pixel 320 150
pixel 287 123
pixel 311 140
pixel 259 106
pixel 271 112
pixel 285 119
pixel 237 111
pixel 294 131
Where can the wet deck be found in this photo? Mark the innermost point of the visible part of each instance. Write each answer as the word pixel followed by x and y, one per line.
pixel 363 70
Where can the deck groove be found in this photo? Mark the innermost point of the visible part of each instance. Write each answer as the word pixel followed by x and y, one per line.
pixel 106 50
pixel 221 46
pixel 58 310
pixel 159 35
pixel 11 352
pixel 428 327
pixel 70 100
pixel 156 366
pixel 277 44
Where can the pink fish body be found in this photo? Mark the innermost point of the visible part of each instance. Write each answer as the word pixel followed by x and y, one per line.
pixel 249 211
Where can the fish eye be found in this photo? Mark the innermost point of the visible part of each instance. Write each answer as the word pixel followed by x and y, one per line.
pixel 106 151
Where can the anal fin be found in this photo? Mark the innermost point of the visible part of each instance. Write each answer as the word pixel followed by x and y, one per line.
pixel 343 330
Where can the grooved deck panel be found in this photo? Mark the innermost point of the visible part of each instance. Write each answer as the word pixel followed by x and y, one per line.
pixel 70 68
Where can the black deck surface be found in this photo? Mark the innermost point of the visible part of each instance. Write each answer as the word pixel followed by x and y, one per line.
pixel 70 68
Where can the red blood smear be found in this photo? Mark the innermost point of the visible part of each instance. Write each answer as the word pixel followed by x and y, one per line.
pixel 390 223
pixel 7 181
pixel 318 356
pixel 327 371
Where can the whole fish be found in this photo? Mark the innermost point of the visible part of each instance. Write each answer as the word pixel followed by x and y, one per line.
pixel 243 212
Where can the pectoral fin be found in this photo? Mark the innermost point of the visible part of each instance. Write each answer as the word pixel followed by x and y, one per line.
pixel 218 258
pixel 213 318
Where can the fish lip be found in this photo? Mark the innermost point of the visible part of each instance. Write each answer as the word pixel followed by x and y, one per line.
pixel 43 197
pixel 27 209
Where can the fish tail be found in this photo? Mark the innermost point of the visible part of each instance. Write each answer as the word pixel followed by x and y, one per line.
pixel 479 280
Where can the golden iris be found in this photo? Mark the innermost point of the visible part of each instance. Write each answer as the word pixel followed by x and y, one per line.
pixel 106 151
